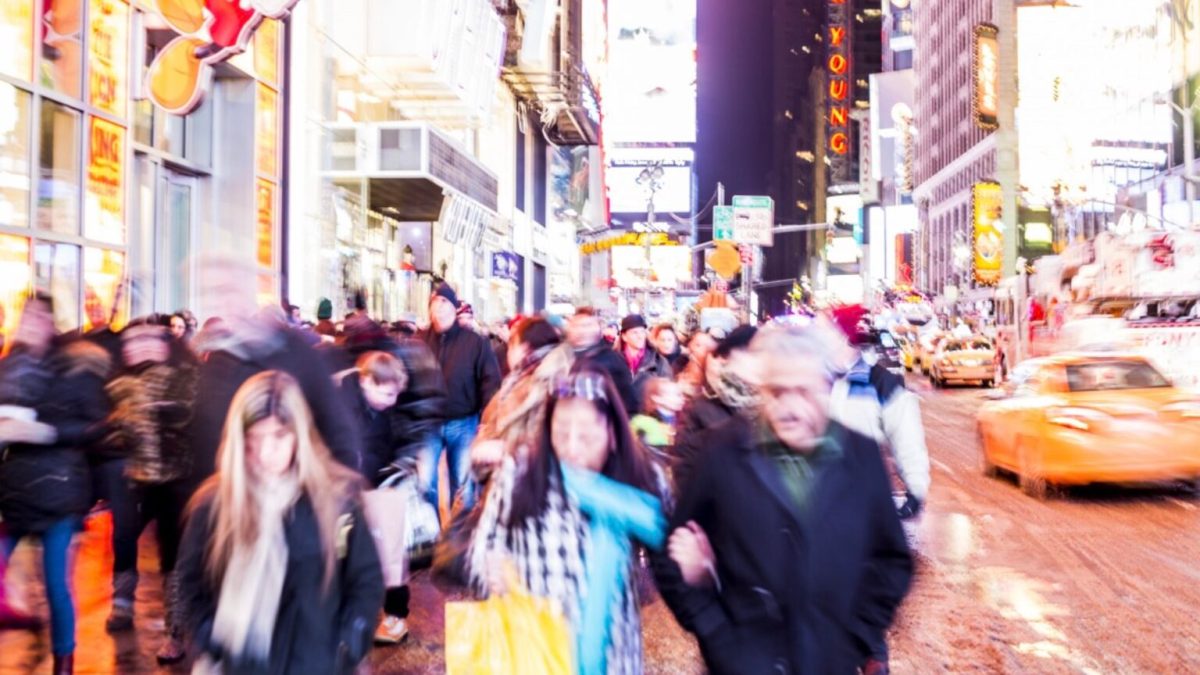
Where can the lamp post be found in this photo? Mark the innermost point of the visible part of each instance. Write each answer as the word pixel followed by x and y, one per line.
pixel 650 177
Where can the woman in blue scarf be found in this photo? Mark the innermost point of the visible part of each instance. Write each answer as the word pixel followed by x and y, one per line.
pixel 569 512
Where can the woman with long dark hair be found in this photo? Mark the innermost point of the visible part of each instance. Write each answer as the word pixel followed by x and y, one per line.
pixel 568 515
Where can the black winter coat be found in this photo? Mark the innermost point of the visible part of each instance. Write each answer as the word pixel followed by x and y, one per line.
pixel 387 436
pixel 224 373
pixel 42 484
pixel 604 358
pixel 653 365
pixel 810 591
pixel 702 414
pixel 315 632
pixel 469 369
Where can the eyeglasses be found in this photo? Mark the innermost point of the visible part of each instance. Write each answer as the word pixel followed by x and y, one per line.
pixel 587 386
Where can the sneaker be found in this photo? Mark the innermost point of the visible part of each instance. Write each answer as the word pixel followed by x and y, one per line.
pixel 120 620
pixel 172 651
pixel 392 630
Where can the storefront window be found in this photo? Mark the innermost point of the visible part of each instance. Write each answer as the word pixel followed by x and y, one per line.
pixel 108 55
pixel 266 51
pixel 14 156
pixel 14 283
pixel 62 45
pixel 104 202
pixel 265 232
pixel 103 289
pixel 267 132
pixel 56 271
pixel 16 34
pixel 58 179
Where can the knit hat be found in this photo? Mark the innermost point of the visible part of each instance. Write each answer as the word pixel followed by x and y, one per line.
pixel 847 319
pixel 324 310
pixel 632 321
pixel 445 291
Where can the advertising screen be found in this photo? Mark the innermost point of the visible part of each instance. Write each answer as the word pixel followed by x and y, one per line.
pixel 650 90
pixel 987 203
pixel 674 186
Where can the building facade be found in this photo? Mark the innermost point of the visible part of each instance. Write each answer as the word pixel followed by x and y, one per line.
pixel 107 197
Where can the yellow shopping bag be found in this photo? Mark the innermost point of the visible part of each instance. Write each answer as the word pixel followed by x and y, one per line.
pixel 511 634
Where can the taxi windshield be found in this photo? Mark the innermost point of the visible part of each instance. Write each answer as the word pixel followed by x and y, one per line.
pixel 1110 375
pixel 967 345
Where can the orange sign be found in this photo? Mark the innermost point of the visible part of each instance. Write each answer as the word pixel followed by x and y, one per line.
pixel 265 230
pixel 16 24
pixel 266 51
pixel 838 105
pixel 987 205
pixel 209 32
pixel 104 202
pixel 986 76
pixel 266 132
pixel 108 54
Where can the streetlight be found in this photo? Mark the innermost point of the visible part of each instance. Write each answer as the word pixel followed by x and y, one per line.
pixel 650 177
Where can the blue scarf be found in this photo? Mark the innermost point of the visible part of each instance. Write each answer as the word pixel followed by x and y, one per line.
pixel 617 515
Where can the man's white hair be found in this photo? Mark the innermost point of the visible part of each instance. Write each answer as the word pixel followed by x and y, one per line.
pixel 812 343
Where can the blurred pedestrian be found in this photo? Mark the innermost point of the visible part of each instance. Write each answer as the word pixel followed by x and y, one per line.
pixel 729 389
pixel 325 327
pixel 278 570
pixel 690 374
pixel 643 360
pixel 178 327
pixel 875 402
pixel 152 398
pixel 666 342
pixel 568 516
pixel 253 344
pixel 472 377
pixel 655 425
pixel 371 392
pixel 58 416
pixel 584 336
pixel 466 317
pixel 786 554
pixel 499 339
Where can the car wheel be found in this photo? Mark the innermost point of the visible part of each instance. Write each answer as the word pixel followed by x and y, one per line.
pixel 985 463
pixel 1029 476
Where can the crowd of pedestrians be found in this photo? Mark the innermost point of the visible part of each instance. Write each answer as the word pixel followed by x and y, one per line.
pixel 748 473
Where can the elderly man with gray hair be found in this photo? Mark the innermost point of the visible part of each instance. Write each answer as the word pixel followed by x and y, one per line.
pixel 787 554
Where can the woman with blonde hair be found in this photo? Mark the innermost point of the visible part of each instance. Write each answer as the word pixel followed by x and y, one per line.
pixel 278 570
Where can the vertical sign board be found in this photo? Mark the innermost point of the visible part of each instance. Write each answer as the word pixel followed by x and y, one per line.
pixel 838 102
pixel 987 203
pixel 754 220
pixel 723 223
pixel 985 75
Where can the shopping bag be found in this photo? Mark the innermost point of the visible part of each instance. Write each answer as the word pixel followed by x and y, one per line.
pixel 511 634
pixel 386 510
pixel 422 527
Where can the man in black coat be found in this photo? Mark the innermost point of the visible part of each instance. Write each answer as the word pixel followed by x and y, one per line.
pixel 584 336
pixel 472 377
pixel 808 560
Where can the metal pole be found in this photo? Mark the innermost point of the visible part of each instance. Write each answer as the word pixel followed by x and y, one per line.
pixel 1019 310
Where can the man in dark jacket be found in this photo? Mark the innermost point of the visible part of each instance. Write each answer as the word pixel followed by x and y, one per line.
pixel 472 377
pixel 729 375
pixel 808 560
pixel 643 360
pixel 591 350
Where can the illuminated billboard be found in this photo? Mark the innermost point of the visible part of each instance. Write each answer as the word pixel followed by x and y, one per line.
pixel 650 90
pixel 626 166
pixel 987 204
pixel 985 71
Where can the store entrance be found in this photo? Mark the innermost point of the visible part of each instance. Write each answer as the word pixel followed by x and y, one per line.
pixel 176 199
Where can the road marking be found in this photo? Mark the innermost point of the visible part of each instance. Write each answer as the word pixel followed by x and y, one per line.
pixel 942 465
pixel 1180 502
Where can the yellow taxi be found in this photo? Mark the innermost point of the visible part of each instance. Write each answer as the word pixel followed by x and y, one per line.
pixel 1079 418
pixel 926 348
pixel 908 352
pixel 971 359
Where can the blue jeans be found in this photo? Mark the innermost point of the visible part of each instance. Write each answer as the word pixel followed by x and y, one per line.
pixel 56 551
pixel 455 440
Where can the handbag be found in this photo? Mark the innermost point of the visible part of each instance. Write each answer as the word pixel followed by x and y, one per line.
pixel 511 634
pixel 386 510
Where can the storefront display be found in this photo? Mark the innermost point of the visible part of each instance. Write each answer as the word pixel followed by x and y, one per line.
pixel 104 286
pixel 58 161
pixel 108 55
pixel 62 45
pixel 266 132
pixel 105 197
pixel 14 283
pixel 56 272
pixel 14 156
pixel 16 33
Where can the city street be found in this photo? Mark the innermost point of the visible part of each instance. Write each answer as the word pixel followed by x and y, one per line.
pixel 1096 581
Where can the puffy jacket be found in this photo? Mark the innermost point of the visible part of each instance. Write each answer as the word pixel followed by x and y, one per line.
pixel 152 405
pixel 875 403
pixel 469 369
pixel 41 484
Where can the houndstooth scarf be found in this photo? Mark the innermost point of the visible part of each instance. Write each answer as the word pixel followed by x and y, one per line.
pixel 549 554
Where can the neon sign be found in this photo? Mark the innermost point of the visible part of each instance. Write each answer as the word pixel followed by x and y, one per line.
pixel 986 76
pixel 838 68
pixel 209 32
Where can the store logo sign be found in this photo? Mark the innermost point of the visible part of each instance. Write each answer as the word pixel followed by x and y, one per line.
pixel 838 73
pixel 987 202
pixel 986 76
pixel 209 32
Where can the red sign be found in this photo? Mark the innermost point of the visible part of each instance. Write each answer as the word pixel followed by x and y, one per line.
pixel 838 73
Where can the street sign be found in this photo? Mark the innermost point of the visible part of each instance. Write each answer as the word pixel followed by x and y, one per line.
pixel 723 223
pixel 753 220
pixel 724 260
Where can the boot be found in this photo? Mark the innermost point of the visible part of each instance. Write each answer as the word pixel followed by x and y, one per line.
pixel 124 589
pixel 64 665
pixel 173 649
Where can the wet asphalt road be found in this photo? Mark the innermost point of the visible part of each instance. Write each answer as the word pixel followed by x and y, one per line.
pixel 1100 580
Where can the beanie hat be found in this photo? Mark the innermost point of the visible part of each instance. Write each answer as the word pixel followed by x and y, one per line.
pixel 847 319
pixel 632 321
pixel 324 310
pixel 445 291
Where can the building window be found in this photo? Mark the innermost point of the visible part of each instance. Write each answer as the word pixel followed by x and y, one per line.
pixel 14 156
pixel 103 272
pixel 521 140
pixel 14 282
pixel 56 271
pixel 62 46
pixel 58 178
pixel 16 34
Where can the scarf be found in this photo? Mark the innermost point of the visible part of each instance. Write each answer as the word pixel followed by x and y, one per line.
pixel 617 514
pixel 634 358
pixel 253 582
pixel 735 392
